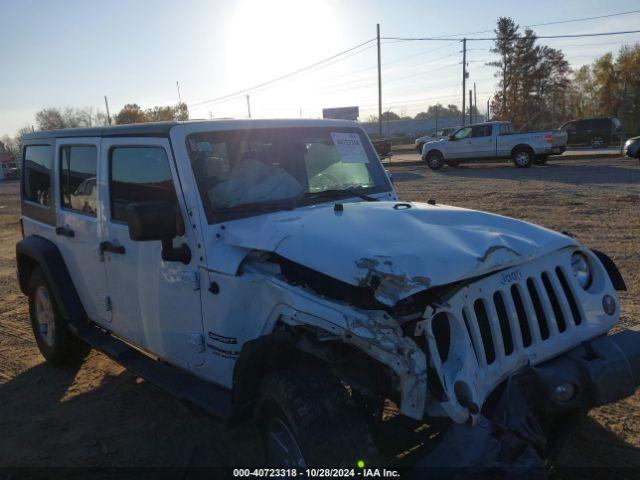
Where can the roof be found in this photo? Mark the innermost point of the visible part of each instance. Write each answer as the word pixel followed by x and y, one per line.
pixel 156 129
pixel 162 129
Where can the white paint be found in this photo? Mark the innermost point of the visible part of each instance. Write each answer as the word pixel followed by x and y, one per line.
pixel 158 306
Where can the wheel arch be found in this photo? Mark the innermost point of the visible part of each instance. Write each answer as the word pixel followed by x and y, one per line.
pixel 286 347
pixel 35 251
pixel 522 146
pixel 432 150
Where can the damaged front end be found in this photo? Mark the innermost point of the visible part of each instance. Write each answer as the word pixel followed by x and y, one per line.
pixel 473 318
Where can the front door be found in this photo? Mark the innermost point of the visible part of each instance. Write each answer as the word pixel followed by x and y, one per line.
pixel 155 304
pixel 78 223
pixel 481 144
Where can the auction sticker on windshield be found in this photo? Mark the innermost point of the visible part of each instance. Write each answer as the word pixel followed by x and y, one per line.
pixel 349 147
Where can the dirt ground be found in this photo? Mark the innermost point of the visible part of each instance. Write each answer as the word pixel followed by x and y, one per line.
pixel 99 415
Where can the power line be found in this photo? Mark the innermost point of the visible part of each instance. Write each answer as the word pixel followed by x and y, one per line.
pixel 282 77
pixel 576 35
pixel 556 22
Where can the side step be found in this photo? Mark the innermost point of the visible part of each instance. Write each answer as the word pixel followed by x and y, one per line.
pixel 205 395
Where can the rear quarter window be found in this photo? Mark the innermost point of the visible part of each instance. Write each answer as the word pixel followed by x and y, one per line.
pixel 38 160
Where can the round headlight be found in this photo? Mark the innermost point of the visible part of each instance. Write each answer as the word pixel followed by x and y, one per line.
pixel 581 269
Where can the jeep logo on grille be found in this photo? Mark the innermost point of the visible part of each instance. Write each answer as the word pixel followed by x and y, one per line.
pixel 510 277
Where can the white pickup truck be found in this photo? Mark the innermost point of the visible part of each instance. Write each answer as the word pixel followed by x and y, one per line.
pixel 494 140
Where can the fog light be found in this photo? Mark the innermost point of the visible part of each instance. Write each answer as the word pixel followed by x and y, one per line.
pixel 609 305
pixel 564 392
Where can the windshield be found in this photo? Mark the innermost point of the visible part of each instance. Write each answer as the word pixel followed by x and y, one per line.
pixel 252 171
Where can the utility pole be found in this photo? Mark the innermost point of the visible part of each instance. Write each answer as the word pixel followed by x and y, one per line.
pixel 464 77
pixel 300 112
pixel 379 83
pixel 248 105
pixel 179 97
pixel 470 105
pixel 106 104
pixel 475 104
pixel 437 112
pixel 488 116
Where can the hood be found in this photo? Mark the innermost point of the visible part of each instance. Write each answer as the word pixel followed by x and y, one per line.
pixel 438 141
pixel 396 248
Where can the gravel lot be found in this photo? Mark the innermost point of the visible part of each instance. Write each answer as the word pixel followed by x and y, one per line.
pixel 100 415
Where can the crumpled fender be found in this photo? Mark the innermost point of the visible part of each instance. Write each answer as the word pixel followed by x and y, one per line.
pixel 373 332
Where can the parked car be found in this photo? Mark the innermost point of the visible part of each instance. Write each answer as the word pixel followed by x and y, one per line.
pixel 493 140
pixel 267 269
pixel 595 132
pixel 442 133
pixel 632 148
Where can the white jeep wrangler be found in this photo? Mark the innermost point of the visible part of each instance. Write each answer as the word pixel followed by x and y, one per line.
pixel 267 268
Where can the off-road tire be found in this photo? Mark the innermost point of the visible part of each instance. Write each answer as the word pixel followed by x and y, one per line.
pixel 328 428
pixel 58 345
pixel 522 157
pixel 541 160
pixel 434 160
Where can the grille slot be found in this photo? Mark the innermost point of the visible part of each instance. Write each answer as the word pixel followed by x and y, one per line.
pixel 525 331
pixel 442 333
pixel 503 318
pixel 469 330
pixel 575 311
pixel 555 304
pixel 485 330
pixel 537 305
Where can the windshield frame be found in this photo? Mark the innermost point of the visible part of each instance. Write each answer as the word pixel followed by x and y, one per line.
pixel 217 215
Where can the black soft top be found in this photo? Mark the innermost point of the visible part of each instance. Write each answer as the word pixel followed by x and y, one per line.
pixel 154 129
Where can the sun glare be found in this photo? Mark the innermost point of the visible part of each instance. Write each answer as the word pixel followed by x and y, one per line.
pixel 266 39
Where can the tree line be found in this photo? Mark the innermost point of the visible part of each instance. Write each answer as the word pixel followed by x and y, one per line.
pixel 538 89
pixel 54 118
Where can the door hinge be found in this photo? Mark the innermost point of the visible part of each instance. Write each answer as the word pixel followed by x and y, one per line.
pixel 197 340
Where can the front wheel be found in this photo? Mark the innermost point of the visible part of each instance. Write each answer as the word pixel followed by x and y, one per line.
pixel 307 419
pixel 597 142
pixel 522 158
pixel 435 161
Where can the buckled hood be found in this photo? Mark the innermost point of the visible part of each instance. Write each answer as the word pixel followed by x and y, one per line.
pixel 396 248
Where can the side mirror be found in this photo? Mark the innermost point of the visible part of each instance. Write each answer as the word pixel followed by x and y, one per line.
pixel 149 221
pixel 452 138
pixel 389 174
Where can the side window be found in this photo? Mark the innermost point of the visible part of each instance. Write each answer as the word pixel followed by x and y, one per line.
pixel 78 178
pixel 38 160
pixel 139 174
pixel 462 133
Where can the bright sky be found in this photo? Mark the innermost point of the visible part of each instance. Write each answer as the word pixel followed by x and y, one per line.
pixel 72 52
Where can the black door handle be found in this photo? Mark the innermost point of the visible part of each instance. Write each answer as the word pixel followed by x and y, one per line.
pixel 110 247
pixel 65 232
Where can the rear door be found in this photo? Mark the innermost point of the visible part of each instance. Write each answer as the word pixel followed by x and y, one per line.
pixel 78 222
pixel 156 304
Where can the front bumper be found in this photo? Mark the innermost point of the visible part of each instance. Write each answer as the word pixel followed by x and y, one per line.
pixel 526 420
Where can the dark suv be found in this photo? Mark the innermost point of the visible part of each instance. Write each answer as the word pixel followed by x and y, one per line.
pixel 597 132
